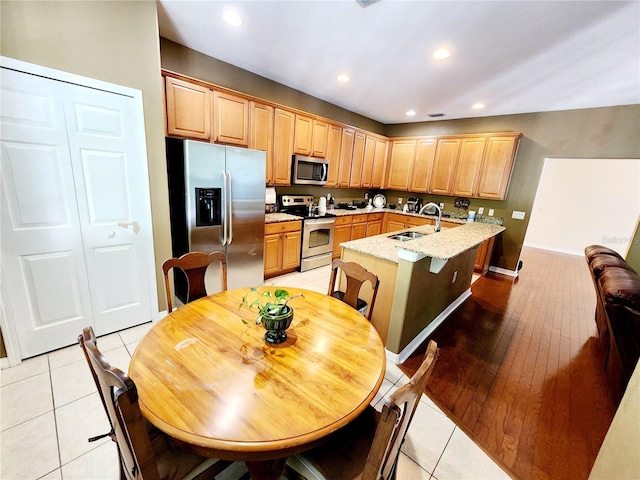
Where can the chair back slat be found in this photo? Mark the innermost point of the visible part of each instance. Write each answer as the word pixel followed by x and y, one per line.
pixel 194 266
pixel 396 417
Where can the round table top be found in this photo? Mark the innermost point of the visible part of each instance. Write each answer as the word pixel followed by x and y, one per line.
pixel 207 379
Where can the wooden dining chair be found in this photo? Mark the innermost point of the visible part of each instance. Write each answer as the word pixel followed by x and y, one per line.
pixel 356 275
pixel 144 451
pixel 367 448
pixel 194 265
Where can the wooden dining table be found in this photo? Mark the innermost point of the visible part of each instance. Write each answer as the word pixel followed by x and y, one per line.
pixel 212 382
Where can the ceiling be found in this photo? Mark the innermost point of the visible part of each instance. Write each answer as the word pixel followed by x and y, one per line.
pixel 513 56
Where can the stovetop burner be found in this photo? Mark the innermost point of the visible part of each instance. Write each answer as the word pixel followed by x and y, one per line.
pixel 302 206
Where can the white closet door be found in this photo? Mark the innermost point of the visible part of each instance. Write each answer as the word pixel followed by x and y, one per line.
pixel 109 165
pixel 42 256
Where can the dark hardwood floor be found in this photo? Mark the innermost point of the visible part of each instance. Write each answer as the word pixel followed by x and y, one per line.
pixel 520 369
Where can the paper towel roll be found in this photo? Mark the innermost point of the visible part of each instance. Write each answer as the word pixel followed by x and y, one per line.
pixel 322 205
pixel 270 195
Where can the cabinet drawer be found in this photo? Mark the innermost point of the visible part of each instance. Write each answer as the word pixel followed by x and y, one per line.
pixel 362 218
pixel 282 227
pixel 344 220
pixel 374 217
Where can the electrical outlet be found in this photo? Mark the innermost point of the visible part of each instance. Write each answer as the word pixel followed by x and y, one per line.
pixel 400 201
pixel 491 212
pixel 455 275
pixel 480 210
pixel 518 215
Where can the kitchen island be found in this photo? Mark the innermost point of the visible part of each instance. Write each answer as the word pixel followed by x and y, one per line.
pixel 422 280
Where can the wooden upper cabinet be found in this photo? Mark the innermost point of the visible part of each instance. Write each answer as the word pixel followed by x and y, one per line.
pixel 468 166
pixel 444 164
pixel 303 135
pixel 346 154
pixel 283 133
pixel 379 162
pixel 357 160
pixel 497 166
pixel 188 109
pixel 261 133
pixel 402 153
pixel 368 161
pixel 320 138
pixel 230 119
pixel 422 165
pixel 334 140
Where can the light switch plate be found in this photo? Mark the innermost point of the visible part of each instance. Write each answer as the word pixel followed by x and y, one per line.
pixel 491 212
pixel 518 215
pixel 480 210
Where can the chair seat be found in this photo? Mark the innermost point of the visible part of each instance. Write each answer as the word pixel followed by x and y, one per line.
pixel 361 306
pixel 345 452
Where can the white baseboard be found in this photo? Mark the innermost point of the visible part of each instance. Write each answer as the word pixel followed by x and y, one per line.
pixel 504 271
pixel 398 358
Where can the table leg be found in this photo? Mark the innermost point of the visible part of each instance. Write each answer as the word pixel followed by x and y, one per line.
pixel 266 469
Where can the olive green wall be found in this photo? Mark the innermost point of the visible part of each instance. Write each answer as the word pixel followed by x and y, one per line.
pixel 183 60
pixel 115 42
pixel 610 132
pixel 633 254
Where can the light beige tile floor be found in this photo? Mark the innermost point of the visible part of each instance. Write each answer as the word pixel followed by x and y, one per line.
pixel 49 407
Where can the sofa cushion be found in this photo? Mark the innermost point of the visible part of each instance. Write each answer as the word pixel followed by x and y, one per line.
pixel 600 262
pixel 595 250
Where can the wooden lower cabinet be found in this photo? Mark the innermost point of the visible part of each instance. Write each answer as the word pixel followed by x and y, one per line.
pixel 342 233
pixel 397 221
pixel 282 244
pixel 374 224
pixel 358 227
pixel 483 257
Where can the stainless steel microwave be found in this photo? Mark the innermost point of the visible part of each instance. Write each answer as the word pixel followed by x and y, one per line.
pixel 309 170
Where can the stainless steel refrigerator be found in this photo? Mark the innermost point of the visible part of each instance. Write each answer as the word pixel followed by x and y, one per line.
pixel 216 196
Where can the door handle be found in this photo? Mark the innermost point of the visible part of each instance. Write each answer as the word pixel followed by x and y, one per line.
pixel 224 208
pixel 230 206
pixel 125 225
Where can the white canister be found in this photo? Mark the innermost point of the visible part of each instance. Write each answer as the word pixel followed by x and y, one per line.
pixel 322 205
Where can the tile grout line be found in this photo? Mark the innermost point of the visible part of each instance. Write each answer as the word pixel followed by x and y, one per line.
pixel 55 419
pixel 443 450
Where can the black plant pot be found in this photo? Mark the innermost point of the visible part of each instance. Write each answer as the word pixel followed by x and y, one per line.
pixel 277 325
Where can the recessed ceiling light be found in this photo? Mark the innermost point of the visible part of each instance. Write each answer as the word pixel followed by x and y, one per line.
pixel 441 53
pixel 232 18
pixel 343 77
pixel 478 106
pixel 411 113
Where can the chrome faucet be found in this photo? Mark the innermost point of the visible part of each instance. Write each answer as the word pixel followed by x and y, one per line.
pixel 438 209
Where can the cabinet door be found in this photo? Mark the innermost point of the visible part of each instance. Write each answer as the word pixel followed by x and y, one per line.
pixel 358 230
pixel 444 164
pixel 497 166
pixel 188 109
pixel 422 165
pixel 334 140
pixel 283 128
pixel 346 153
pixel 273 248
pixel 303 133
pixel 291 250
pixel 357 159
pixel 368 160
pixel 394 226
pixel 342 233
pixel 468 169
pixel 320 135
pixel 379 161
pixel 374 228
pixel 261 133
pixel 402 153
pixel 231 119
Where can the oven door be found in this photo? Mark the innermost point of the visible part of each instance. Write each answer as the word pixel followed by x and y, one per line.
pixel 317 236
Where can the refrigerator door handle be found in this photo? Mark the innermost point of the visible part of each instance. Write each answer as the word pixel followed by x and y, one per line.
pixel 230 207
pixel 223 241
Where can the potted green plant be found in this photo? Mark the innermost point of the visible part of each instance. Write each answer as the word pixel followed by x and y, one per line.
pixel 273 312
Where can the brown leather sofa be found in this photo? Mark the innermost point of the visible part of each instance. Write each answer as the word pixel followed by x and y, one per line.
pixel 617 315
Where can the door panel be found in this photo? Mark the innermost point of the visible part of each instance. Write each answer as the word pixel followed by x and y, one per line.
pixel 105 156
pixel 42 255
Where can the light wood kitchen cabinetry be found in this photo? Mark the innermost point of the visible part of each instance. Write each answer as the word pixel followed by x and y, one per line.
pixel 422 165
pixel 468 166
pixel 444 165
pixel 357 160
pixel 359 227
pixel 402 153
pixel 320 139
pixel 283 135
pixel 261 133
pixel 483 257
pixel 346 154
pixel 379 163
pixel 374 224
pixel 397 221
pixel 334 140
pixel 341 233
pixel 303 135
pixel 188 109
pixel 230 119
pixel 282 243
pixel 497 165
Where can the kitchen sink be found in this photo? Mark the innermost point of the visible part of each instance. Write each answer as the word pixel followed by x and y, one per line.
pixel 406 236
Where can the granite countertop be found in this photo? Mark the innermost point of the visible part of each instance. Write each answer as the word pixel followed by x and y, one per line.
pixel 446 244
pixel 280 217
